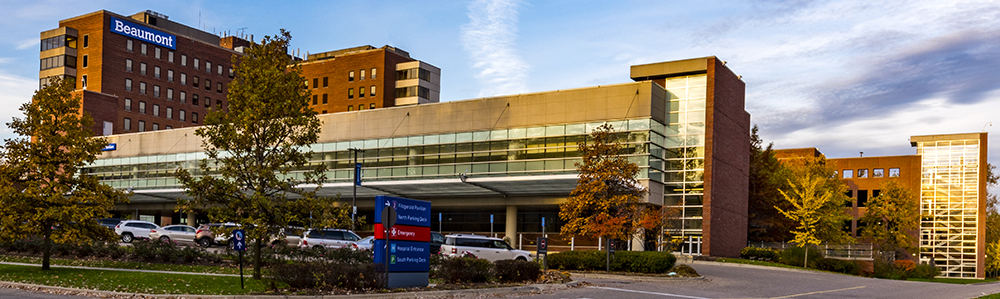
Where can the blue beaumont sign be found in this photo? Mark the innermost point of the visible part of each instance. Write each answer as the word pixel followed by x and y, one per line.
pixel 405 256
pixel 110 147
pixel 408 211
pixel 143 33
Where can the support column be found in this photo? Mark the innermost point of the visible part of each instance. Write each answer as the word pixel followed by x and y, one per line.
pixel 135 214
pixel 190 218
pixel 511 224
pixel 639 240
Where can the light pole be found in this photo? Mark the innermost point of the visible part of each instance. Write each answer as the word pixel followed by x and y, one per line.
pixel 357 182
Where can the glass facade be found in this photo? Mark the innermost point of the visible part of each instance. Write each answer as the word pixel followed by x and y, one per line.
pixel 684 154
pixel 542 150
pixel 949 205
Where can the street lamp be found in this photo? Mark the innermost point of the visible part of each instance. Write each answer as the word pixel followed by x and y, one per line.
pixel 357 182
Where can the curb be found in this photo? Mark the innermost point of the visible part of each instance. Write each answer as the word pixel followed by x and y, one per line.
pixel 758 267
pixel 534 288
pixel 635 278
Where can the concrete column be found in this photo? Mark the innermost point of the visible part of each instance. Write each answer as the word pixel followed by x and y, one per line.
pixel 190 219
pixel 511 229
pixel 135 214
pixel 638 240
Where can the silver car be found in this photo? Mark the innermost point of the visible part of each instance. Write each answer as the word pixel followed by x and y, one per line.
pixel 328 238
pixel 364 244
pixel 176 233
pixel 131 229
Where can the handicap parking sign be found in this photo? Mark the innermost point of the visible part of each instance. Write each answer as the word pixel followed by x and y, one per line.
pixel 239 240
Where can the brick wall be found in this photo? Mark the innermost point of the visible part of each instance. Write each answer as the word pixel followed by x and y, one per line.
pixel 336 71
pixel 727 144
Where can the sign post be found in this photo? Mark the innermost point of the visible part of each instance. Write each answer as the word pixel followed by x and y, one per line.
pixel 611 252
pixel 240 245
pixel 491 226
pixel 402 239
pixel 543 252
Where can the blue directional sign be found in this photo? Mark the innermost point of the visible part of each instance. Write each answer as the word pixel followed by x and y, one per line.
pixel 239 240
pixel 357 174
pixel 404 256
pixel 408 211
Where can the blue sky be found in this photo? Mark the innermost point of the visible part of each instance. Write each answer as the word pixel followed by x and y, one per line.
pixel 843 76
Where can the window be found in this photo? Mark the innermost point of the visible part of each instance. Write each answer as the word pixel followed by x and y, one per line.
pixel 361 92
pixel 893 172
pixel 183 97
pixel 361 107
pixel 208 84
pixel 142 68
pixel 315 82
pixel 156 110
pixel 83 82
pixel 128 104
pixel 170 113
pixel 156 72
pixel 128 84
pixel 373 90
pixel 314 99
pixel 194 99
pixel 218 87
pixel 156 52
pixel 208 102
pixel 862 173
pixel 170 75
pixel 362 75
pixel 127 125
pixel 194 81
pixel 57 61
pixel 184 60
pixel 326 81
pixel 350 108
pixel 371 106
pixel 142 124
pixel 108 127
pixel 156 127
pixel 324 112
pixel 85 60
pixel 373 73
pixel 848 173
pixel 128 65
pixel 184 79
pixel 350 76
pixel 128 45
pixel 142 107
pixel 196 63
pixel 169 127
pixel 86 41
pixel 170 56
pixel 219 69
pixel 142 48
pixel 194 117
pixel 208 66
pixel 170 94
pixel 324 99
pixel 862 198
pixel 878 173
pixel 350 93
pixel 180 115
pixel 156 91
pixel 142 87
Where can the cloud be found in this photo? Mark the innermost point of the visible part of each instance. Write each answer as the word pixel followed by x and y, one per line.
pixel 490 39
pixel 17 90
pixel 25 44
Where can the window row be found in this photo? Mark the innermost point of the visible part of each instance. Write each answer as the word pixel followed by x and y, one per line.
pixel 170 58
pixel 413 73
pixel 350 76
pixel 360 107
pixel 412 91
pixel 876 173
pixel 141 125
pixel 361 93
pixel 58 61
pixel 195 80
pixel 169 94
pixel 59 42
pixel 168 111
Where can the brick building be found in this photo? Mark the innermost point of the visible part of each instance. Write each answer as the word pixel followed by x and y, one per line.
pixel 141 72
pixel 366 77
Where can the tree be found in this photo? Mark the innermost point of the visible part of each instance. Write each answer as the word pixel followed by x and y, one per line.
pixel 42 190
pixel 607 199
pixel 767 176
pixel 817 200
pixel 891 217
pixel 992 223
pixel 256 157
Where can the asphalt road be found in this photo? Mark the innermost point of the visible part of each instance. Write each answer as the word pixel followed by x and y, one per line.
pixel 6 293
pixel 730 281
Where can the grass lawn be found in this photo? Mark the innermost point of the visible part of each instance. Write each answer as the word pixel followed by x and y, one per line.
pixel 131 282
pixel 761 263
pixel 954 280
pixel 126 265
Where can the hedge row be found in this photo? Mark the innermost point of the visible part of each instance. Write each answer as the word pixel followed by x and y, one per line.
pixel 622 261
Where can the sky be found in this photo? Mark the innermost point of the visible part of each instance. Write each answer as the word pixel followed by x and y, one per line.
pixel 843 76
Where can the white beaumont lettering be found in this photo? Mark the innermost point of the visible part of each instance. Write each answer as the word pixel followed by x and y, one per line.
pixel 143 33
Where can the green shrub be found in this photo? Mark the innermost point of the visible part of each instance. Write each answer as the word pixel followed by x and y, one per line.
pixel 516 270
pixel 327 276
pixel 759 253
pixel 683 270
pixel 840 266
pixel 625 261
pixel 793 256
pixel 464 269
pixel 925 271
pixel 888 269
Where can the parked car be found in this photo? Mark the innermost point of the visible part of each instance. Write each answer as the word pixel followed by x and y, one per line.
pixel 292 235
pixel 109 222
pixel 364 244
pixel 329 238
pixel 206 238
pixel 131 229
pixel 436 241
pixel 176 233
pixel 489 248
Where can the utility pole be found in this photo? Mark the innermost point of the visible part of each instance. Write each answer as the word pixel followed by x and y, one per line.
pixel 357 182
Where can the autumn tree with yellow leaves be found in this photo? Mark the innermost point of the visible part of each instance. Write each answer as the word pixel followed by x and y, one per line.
pixel 817 204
